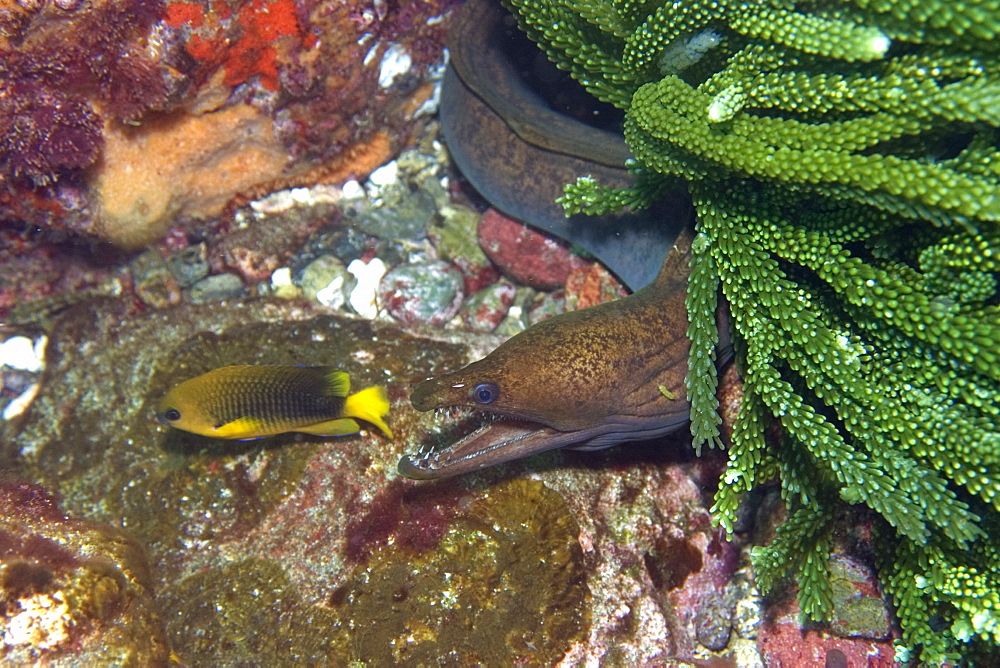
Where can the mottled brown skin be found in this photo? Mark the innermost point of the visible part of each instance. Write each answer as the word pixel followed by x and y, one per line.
pixel 586 379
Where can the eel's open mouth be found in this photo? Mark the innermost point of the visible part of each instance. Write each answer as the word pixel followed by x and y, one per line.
pixel 499 439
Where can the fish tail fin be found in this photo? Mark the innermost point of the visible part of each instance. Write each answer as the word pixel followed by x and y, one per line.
pixel 369 405
pixel 338 383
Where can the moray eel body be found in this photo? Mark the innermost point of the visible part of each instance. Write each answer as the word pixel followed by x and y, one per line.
pixel 253 401
pixel 586 379
pixel 498 130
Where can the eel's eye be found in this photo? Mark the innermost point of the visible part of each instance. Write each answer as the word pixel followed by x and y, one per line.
pixel 485 393
pixel 172 414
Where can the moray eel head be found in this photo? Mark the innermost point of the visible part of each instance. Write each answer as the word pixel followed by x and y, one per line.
pixel 587 379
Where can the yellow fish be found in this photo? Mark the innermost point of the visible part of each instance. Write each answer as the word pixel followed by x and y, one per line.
pixel 254 401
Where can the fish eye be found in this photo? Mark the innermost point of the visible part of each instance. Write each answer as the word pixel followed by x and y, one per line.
pixel 172 414
pixel 485 393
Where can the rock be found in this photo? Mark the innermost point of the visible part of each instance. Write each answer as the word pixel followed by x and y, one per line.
pixel 599 558
pixel 455 240
pixel 266 240
pixel 860 636
pixel 422 293
pixel 589 285
pixel 486 309
pixel 216 288
pixel 71 590
pixel 153 282
pixel 190 265
pixel 523 254
pixel 181 165
pixel 326 280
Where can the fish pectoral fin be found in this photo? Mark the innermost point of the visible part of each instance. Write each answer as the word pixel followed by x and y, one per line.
pixel 245 428
pixel 338 427
pixel 370 405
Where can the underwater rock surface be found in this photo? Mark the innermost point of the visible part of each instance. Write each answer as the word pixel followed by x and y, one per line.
pixel 322 551
pixel 70 587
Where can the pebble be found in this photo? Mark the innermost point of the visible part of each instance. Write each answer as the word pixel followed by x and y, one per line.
pixel 400 213
pixel 859 610
pixel 486 309
pixel 712 622
pixel 324 279
pixel 517 320
pixel 190 265
pixel 216 288
pixel 364 296
pixel 546 305
pixel 423 293
pixel 20 352
pixel 282 285
pixel 455 240
pixel 590 285
pixel 340 241
pixel 154 284
pixel 523 254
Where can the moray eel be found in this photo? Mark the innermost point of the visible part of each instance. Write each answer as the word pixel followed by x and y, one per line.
pixel 586 379
pixel 498 129
pixel 253 401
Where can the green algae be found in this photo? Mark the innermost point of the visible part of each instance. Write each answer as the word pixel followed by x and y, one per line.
pixel 506 583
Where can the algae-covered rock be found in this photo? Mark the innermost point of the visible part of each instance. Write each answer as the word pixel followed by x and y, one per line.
pixel 91 433
pixel 315 550
pixel 457 597
pixel 72 591
pixel 244 613
pixel 503 583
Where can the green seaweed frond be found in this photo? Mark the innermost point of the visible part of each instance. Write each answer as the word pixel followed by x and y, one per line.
pixel 844 162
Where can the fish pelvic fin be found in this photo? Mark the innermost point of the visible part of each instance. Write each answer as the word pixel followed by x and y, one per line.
pixel 338 383
pixel 370 405
pixel 338 427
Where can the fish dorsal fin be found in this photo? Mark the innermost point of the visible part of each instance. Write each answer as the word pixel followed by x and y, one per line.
pixel 338 383
pixel 677 262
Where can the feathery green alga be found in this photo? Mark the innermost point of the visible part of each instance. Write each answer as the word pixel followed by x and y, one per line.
pixel 842 156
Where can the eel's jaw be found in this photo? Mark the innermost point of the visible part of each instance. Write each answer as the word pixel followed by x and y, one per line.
pixel 496 442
